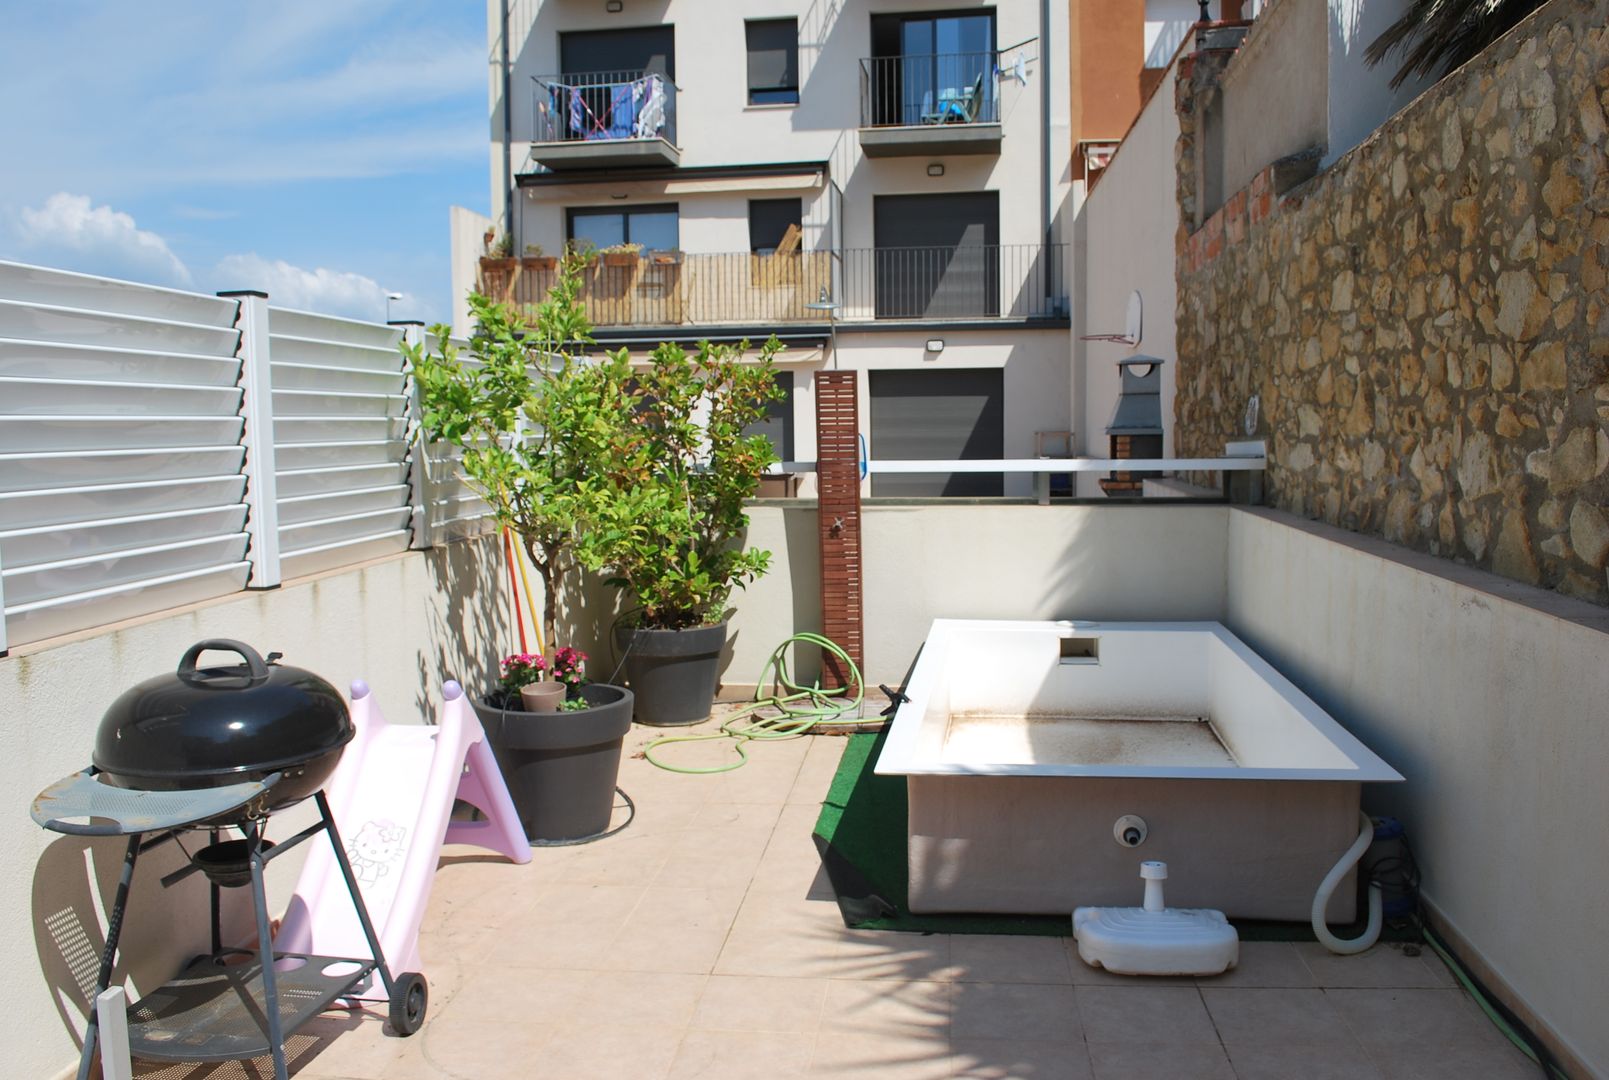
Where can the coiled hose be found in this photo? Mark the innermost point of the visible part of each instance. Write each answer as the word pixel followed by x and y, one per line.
pixel 1321 899
pixel 801 708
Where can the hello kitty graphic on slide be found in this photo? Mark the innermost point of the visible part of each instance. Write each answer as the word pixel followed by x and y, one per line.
pixel 374 849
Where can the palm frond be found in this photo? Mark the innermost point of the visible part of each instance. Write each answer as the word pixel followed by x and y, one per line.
pixel 1437 36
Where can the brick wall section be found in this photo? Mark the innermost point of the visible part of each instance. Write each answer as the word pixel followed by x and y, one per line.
pixel 1426 323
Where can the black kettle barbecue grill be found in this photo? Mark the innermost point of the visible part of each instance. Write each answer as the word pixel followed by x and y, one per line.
pixel 208 749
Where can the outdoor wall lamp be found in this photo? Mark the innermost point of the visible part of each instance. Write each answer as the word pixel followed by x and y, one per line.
pixel 935 345
pixel 614 7
pixel 936 169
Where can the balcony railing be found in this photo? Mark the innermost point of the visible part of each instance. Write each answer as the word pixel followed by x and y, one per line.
pixel 619 289
pixel 942 88
pixel 603 106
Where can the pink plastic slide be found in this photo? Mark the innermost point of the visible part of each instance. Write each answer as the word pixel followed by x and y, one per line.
pixel 392 796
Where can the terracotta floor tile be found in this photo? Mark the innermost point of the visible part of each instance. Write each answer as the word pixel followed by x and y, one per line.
pixel 761 1004
pixel 1384 966
pixel 743 1055
pixel 1430 1033
pixel 1146 1014
pixel 1024 1011
pixel 1017 1059
pixel 1005 958
pixel 1258 1016
pixel 1278 1059
pixel 887 1007
pixel 1264 964
pixel 1160 1061
pixel 882 1056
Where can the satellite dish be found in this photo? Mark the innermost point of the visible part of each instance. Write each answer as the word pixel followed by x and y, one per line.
pixel 1133 324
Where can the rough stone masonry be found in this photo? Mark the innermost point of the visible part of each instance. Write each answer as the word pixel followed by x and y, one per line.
pixel 1426 322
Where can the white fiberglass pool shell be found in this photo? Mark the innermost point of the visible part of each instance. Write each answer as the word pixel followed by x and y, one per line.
pixel 1030 748
pixel 1099 699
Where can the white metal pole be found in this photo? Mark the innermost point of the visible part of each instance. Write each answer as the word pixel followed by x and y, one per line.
pixel 413 333
pixel 3 646
pixel 111 1011
pixel 257 407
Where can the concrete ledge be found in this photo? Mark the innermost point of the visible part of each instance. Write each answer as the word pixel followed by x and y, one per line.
pixel 919 140
pixel 605 154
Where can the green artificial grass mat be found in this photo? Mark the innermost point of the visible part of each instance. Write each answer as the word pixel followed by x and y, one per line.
pixel 861 837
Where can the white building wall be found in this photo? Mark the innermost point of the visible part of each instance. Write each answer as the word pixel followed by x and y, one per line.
pixel 1360 98
pixel 1124 242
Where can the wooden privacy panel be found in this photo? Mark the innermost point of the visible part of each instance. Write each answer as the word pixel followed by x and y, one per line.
pixel 838 483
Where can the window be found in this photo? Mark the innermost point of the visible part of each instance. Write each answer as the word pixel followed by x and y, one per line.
pixel 936 256
pixel 643 50
pixel 933 69
pixel 773 61
pixel 770 220
pixel 653 227
pixel 778 422
pixel 955 415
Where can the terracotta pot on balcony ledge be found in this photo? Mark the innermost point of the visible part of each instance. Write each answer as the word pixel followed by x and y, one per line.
pixel 546 263
pixel 619 258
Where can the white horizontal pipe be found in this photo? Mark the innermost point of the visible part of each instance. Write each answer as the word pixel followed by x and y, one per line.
pixel 1048 465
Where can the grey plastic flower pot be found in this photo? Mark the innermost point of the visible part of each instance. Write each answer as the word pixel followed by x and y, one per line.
pixel 561 767
pixel 673 672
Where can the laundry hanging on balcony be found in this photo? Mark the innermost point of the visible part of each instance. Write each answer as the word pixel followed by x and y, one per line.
pixel 626 110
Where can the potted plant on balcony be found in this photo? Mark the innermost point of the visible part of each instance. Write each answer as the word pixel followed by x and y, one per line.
pixel 535 260
pixel 670 531
pixel 527 418
pixel 621 254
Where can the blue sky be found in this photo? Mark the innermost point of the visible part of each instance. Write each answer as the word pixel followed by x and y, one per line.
pixel 310 149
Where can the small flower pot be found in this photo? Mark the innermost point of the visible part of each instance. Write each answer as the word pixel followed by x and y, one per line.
pixel 544 696
pixel 619 258
pixel 543 263
pixel 561 767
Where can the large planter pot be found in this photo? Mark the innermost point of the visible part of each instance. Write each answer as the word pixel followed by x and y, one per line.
pixel 561 767
pixel 673 672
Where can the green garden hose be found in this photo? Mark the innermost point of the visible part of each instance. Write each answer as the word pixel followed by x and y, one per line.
pixel 801 708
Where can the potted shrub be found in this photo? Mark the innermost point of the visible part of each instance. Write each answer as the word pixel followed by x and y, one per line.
pixel 527 418
pixel 670 531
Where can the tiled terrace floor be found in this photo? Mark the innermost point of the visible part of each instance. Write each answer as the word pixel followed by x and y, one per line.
pixel 700 943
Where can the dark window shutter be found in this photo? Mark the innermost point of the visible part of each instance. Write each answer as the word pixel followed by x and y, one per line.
pixel 773 54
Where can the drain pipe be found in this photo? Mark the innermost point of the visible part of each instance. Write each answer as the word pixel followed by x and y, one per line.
pixel 508 138
pixel 1321 899
pixel 1044 128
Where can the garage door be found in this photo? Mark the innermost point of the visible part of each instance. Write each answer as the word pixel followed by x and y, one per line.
pixel 938 416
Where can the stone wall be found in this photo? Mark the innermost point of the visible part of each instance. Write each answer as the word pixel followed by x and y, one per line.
pixel 1425 324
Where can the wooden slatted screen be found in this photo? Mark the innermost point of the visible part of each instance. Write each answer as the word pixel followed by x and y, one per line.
pixel 838 510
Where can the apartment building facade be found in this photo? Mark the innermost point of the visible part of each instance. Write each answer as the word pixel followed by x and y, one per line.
pixel 883 184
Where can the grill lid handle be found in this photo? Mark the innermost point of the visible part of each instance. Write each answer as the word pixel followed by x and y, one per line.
pixel 254 661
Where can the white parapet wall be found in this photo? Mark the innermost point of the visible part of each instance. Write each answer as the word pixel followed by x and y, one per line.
pixel 1492 698
pixel 403 623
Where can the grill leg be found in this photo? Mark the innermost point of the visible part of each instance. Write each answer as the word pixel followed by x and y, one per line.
pixel 114 930
pixel 357 894
pixel 265 951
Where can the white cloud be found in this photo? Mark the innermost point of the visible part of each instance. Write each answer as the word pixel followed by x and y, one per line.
pixel 331 292
pixel 71 233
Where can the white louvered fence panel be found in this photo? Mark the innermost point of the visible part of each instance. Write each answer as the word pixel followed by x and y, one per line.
pixel 341 431
pixel 120 459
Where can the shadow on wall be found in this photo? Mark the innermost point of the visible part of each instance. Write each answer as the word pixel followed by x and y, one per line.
pixel 471 625
pixel 75 883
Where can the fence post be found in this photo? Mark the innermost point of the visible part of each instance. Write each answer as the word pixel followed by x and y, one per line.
pixel 4 648
pixel 257 408
pixel 413 334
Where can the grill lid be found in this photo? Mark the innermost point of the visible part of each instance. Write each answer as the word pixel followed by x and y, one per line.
pixel 202 726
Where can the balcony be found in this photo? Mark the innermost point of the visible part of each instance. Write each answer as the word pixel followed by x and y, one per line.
pixel 947 103
pixel 1017 282
pixel 603 120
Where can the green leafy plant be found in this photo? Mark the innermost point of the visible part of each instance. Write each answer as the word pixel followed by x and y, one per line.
pixel 1436 36
pixel 534 422
pixel 670 533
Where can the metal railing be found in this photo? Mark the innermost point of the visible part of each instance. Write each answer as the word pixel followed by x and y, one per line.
pixel 602 106
pixel 939 88
pixel 1018 281
pixel 964 281
pixel 676 289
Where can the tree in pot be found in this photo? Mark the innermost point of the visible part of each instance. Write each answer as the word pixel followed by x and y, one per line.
pixel 531 421
pixel 670 530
